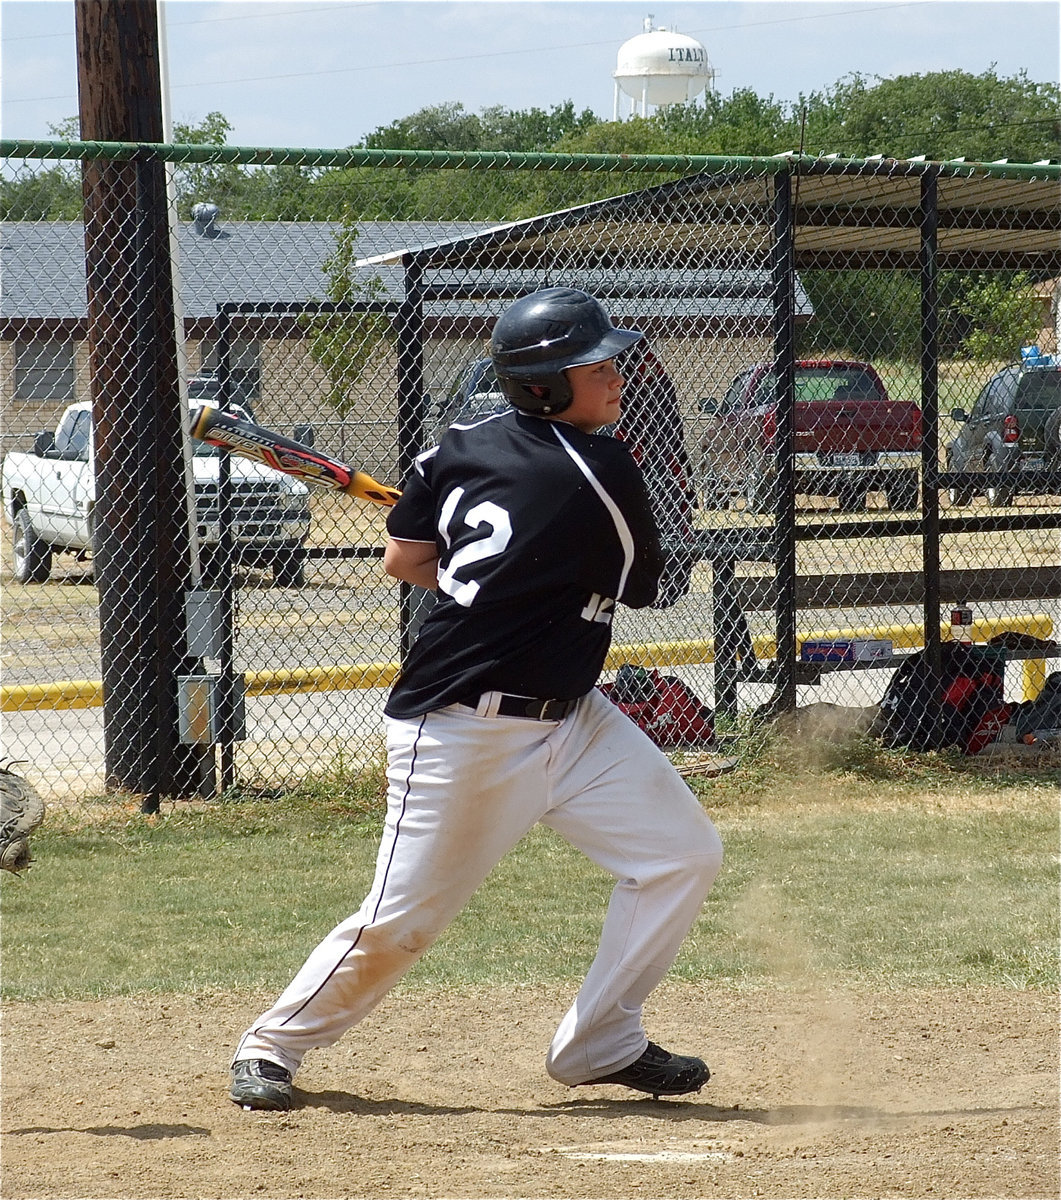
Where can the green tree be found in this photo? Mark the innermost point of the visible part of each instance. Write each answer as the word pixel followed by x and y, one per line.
pixel 532 129
pixel 362 192
pixel 459 195
pixel 436 127
pixel 944 114
pixel 222 184
pixel 50 193
pixel 285 193
pixel 742 123
pixel 344 342
pixel 452 127
pixel 1003 315
pixel 862 314
pixel 941 114
pixel 66 130
pixel 638 135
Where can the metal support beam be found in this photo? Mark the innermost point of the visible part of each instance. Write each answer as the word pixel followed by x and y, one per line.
pixel 415 602
pixel 783 275
pixel 226 563
pixel 930 529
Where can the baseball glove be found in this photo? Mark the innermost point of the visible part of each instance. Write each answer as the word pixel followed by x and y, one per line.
pixel 21 811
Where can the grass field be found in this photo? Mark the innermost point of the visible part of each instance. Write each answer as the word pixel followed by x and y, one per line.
pixel 853 863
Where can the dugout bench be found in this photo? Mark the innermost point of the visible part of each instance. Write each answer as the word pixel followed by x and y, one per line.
pixel 733 596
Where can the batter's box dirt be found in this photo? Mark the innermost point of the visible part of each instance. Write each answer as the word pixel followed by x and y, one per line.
pixel 813 1094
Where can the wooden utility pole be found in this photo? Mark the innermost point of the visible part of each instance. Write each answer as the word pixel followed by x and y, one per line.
pixel 141 554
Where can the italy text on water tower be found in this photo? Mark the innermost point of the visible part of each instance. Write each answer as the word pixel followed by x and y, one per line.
pixel 659 67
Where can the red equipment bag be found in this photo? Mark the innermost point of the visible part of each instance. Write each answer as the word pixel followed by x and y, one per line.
pixel 662 706
pixel 923 710
pixel 989 728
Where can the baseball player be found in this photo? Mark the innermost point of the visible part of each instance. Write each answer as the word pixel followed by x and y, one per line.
pixel 530 526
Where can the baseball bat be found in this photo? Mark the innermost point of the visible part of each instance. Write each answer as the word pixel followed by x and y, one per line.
pixel 210 424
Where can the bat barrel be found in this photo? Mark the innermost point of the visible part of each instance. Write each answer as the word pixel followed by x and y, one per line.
pixel 231 433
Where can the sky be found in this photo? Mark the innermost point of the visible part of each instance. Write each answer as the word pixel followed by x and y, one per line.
pixel 325 73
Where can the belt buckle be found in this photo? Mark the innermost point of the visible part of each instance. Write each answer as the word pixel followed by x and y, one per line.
pixel 545 708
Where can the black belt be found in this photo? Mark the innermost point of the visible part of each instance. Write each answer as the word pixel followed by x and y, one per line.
pixel 529 707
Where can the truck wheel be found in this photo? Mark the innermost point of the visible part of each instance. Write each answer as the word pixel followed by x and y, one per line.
pixel 759 494
pixel 1052 433
pixel 713 495
pixel 904 494
pixel 32 557
pixel 94 545
pixel 289 568
pixel 851 496
pixel 213 571
pixel 998 497
pixel 1052 442
pixel 959 497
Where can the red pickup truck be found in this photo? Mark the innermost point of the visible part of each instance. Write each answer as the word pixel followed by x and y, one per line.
pixel 851 438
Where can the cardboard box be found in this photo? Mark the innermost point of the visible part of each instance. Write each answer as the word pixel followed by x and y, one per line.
pixel 845 649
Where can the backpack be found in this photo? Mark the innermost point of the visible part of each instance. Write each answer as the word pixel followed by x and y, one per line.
pixel 1043 714
pixel 923 712
pixel 1029 722
pixel 662 706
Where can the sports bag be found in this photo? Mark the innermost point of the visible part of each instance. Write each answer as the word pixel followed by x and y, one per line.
pixel 925 711
pixel 662 706
pixel 1029 722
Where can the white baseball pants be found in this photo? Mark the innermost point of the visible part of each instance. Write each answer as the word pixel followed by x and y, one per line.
pixel 464 788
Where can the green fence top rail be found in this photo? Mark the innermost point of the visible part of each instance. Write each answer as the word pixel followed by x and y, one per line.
pixel 458 159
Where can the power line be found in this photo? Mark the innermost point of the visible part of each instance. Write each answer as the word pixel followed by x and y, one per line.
pixel 271 12
pixel 421 62
pixel 493 54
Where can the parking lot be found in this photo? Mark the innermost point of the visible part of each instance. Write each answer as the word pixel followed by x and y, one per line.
pixel 348 614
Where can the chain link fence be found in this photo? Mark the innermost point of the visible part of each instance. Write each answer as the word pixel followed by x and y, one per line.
pixel 846 408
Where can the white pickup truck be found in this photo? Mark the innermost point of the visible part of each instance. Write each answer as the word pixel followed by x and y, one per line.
pixel 49 497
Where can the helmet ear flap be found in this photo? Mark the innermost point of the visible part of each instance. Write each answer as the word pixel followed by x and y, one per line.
pixel 546 398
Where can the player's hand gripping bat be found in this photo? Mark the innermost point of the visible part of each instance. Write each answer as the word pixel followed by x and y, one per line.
pixel 210 424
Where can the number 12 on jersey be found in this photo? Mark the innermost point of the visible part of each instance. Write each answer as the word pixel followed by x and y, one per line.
pixel 492 527
pixel 494 532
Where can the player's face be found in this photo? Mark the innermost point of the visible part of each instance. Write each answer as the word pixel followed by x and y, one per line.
pixel 596 389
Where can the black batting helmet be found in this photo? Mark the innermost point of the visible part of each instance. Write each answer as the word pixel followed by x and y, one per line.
pixel 539 336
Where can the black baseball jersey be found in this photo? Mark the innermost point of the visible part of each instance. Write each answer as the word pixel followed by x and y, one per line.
pixel 540 529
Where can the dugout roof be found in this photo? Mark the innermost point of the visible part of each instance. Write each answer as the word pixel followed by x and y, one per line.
pixel 846 214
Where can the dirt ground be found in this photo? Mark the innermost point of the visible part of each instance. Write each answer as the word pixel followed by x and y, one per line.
pixel 942 1094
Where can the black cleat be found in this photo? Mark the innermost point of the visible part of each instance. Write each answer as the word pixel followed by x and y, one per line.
pixel 259 1083
pixel 659 1073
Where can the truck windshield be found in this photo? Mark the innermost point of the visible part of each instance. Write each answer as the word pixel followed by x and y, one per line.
pixel 73 436
pixel 835 383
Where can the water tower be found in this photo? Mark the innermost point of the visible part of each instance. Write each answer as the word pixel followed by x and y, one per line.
pixel 659 67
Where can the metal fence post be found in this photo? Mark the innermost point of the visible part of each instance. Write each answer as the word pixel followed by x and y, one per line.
pixel 415 602
pixel 226 564
pixel 783 282
pixel 930 529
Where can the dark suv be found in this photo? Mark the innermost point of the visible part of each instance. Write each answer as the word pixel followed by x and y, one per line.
pixel 1015 425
